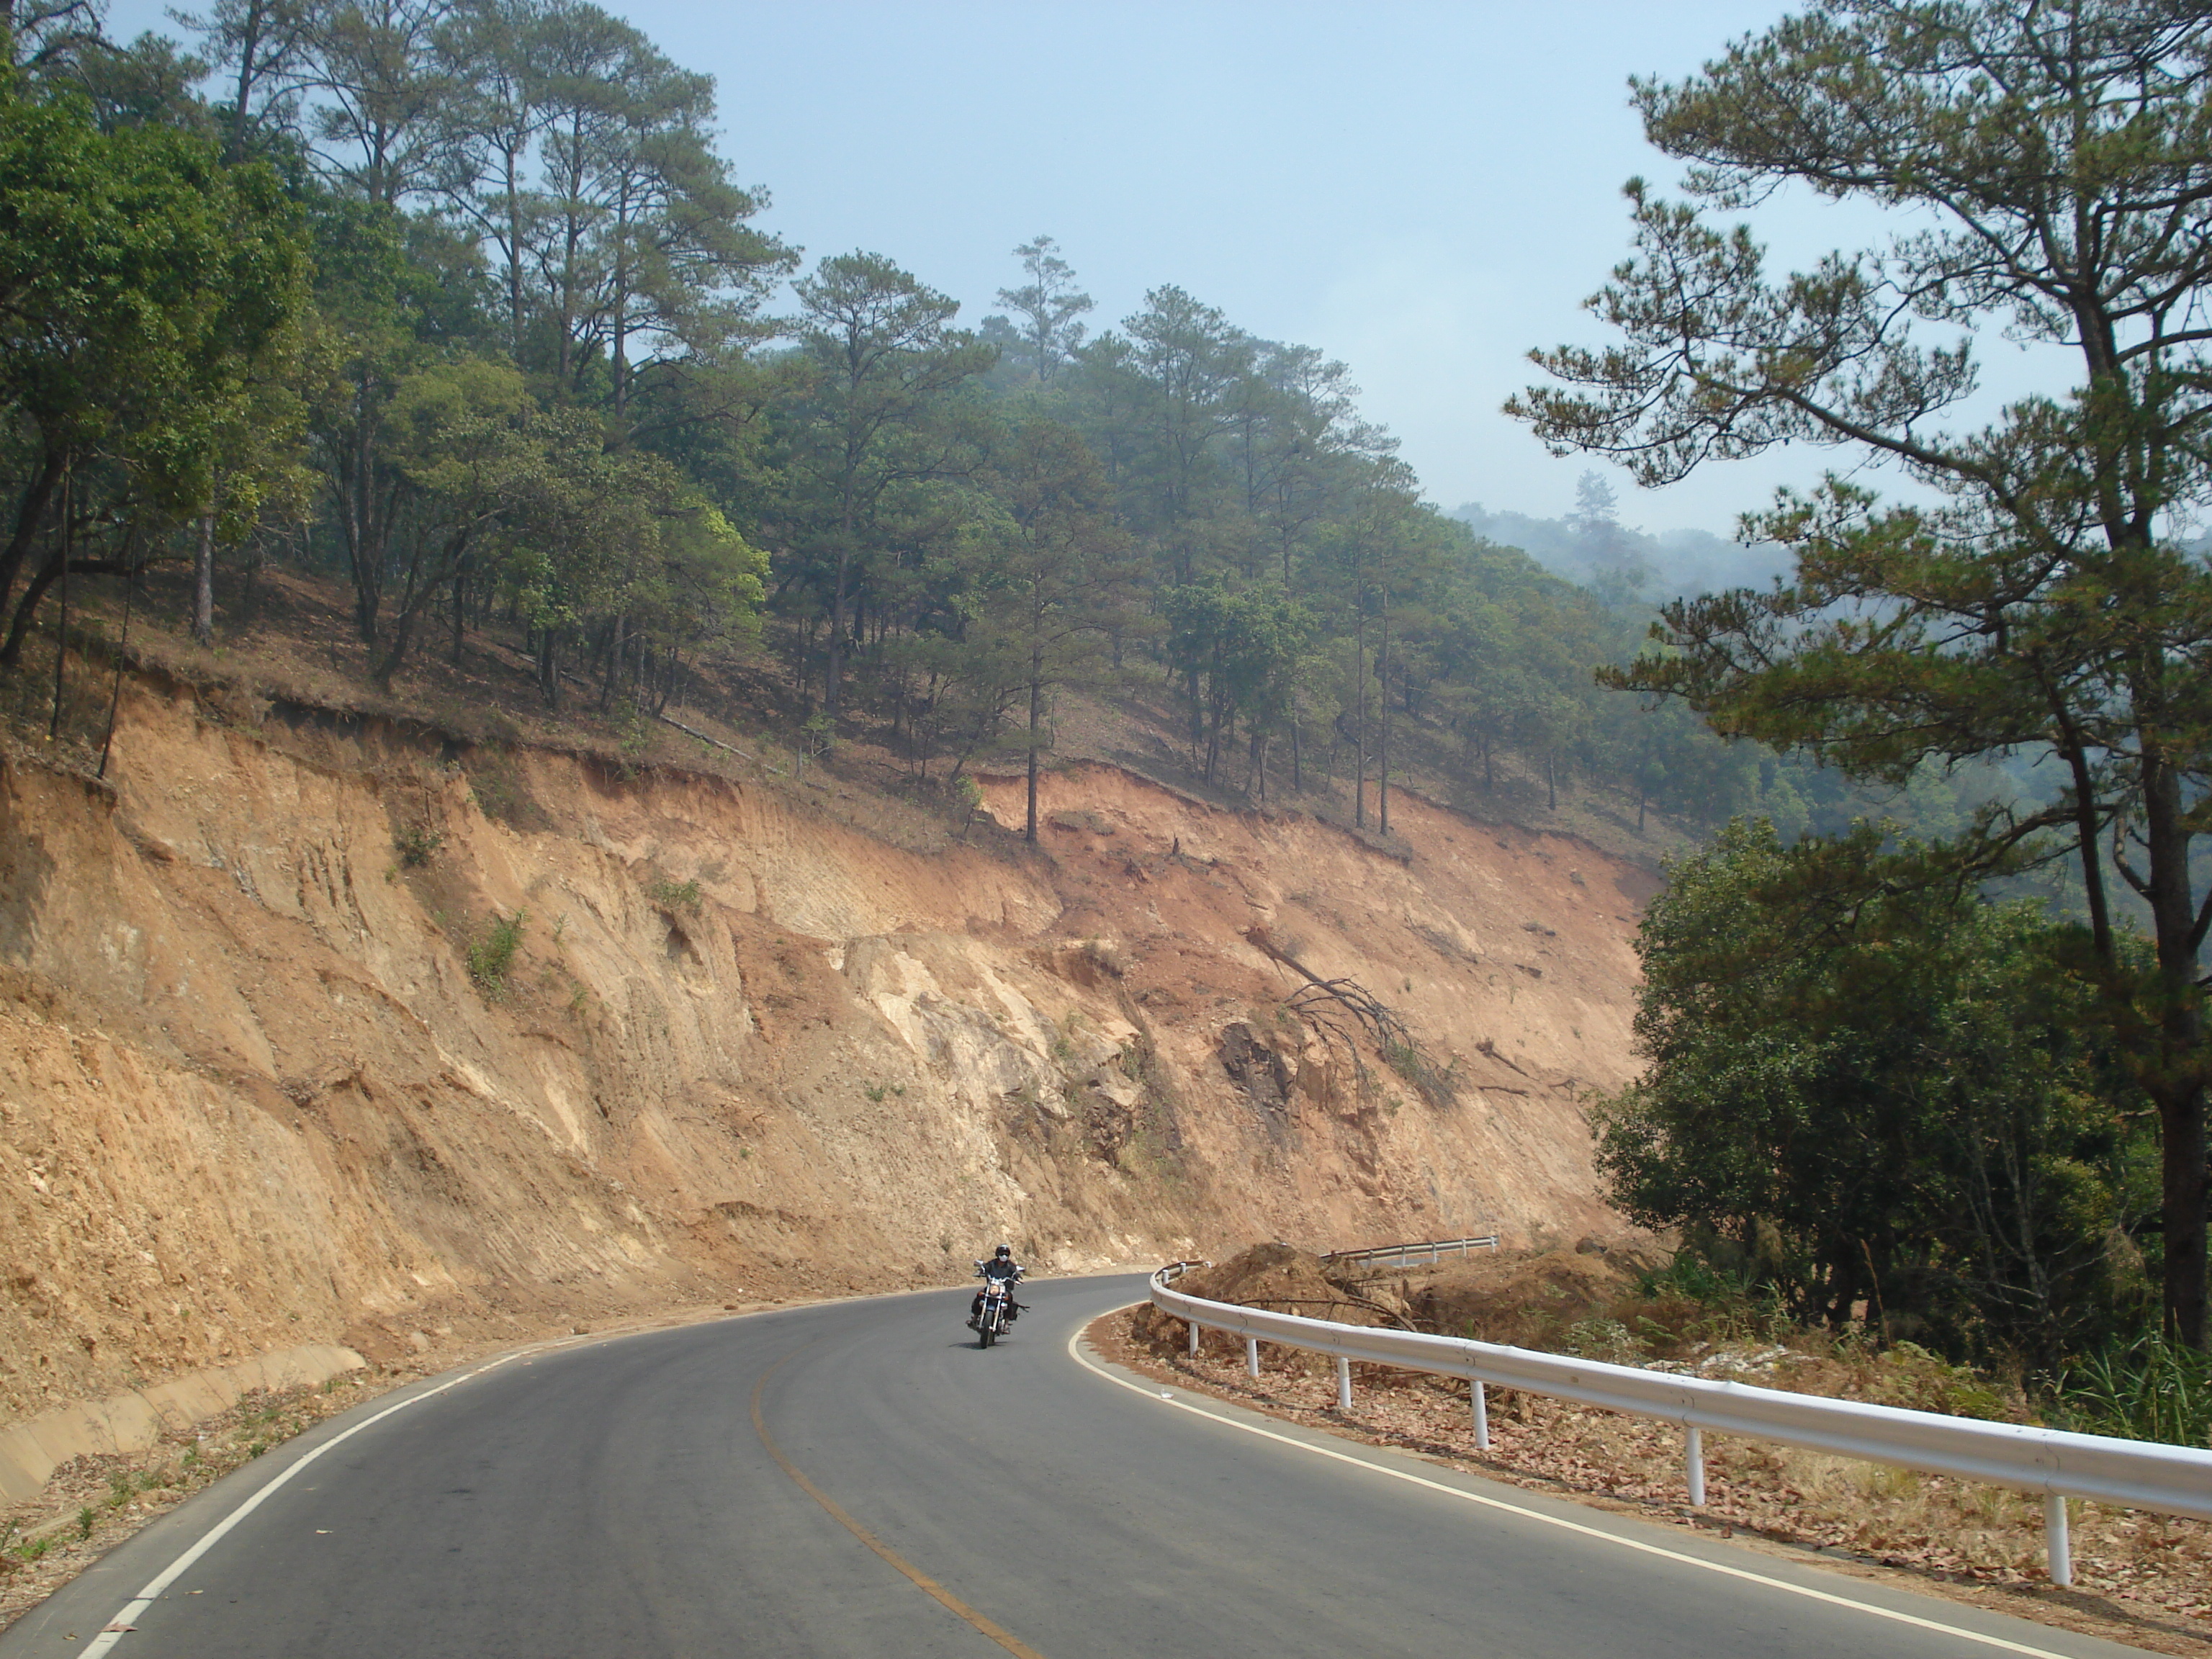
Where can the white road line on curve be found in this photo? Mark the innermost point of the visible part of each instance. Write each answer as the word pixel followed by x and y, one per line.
pixel 118 1627
pixel 1075 1351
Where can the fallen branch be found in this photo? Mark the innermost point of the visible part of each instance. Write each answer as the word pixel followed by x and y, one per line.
pixel 692 732
pixel 1322 1003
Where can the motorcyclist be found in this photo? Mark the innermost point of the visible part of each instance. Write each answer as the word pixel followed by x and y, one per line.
pixel 1002 1265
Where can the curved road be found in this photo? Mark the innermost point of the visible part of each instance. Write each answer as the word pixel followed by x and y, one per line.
pixel 859 1479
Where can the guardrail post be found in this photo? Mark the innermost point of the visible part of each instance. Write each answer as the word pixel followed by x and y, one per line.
pixel 2058 1548
pixel 1194 1339
pixel 1252 1355
pixel 1481 1404
pixel 1693 1454
pixel 1343 1383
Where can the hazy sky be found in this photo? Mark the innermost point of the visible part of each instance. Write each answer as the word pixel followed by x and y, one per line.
pixel 1423 189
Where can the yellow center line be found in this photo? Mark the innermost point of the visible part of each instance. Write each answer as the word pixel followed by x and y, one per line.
pixel 920 1579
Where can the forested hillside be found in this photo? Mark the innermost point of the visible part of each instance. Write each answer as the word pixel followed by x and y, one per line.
pixel 463 304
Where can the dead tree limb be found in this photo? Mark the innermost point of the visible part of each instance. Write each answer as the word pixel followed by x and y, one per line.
pixel 1324 1003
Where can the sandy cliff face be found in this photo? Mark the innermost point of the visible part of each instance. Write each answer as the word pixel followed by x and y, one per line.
pixel 251 1096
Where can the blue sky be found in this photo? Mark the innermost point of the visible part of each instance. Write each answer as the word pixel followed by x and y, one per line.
pixel 1423 190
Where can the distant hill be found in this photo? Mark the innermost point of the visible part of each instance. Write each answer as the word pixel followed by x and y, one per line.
pixel 1673 562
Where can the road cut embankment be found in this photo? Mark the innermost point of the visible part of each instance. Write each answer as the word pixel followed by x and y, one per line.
pixel 320 1031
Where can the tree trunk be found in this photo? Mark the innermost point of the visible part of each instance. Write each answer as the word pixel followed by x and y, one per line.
pixel 2182 1191
pixel 30 515
pixel 204 582
pixel 2176 1081
pixel 1843 1285
pixel 249 42
pixel 611 663
pixel 364 542
pixel 833 672
pixel 549 669
pixel 515 257
pixel 1382 752
pixel 19 630
pixel 1036 712
pixel 1359 708
pixel 61 633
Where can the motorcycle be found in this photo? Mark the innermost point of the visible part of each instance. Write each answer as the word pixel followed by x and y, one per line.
pixel 997 1312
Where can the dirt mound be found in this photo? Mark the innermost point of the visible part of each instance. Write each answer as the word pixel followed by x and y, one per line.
pixel 1524 1297
pixel 1280 1278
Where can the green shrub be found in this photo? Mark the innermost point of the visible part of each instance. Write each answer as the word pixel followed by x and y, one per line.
pixel 417 844
pixel 1695 1298
pixel 673 895
pixel 492 957
pixel 1907 1375
pixel 2146 1389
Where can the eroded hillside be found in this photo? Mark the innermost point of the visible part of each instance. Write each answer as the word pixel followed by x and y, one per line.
pixel 252 1095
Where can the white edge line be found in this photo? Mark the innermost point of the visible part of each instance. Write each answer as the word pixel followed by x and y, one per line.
pixel 114 1632
pixel 1075 1351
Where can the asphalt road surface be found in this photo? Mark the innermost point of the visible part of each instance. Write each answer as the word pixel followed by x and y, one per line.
pixel 859 1480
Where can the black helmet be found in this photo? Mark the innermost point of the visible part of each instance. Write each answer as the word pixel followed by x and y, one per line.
pixel 1005 1251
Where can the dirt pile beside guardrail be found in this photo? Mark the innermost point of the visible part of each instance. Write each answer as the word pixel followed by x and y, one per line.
pixel 1520 1298
pixel 1276 1276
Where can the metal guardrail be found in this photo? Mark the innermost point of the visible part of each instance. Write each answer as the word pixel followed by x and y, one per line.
pixel 1432 1250
pixel 2050 1462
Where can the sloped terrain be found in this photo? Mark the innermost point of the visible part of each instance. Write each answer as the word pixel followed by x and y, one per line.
pixel 271 1074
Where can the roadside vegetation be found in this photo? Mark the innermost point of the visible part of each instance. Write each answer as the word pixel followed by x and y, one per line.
pixel 2035 597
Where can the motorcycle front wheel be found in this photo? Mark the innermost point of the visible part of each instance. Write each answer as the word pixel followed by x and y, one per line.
pixel 984 1339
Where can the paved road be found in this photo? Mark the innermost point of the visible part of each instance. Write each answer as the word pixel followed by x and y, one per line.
pixel 902 1493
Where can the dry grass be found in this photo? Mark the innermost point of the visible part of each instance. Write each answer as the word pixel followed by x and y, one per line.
pixel 92 1504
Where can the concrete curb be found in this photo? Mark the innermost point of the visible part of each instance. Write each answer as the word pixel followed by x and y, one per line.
pixel 30 1452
